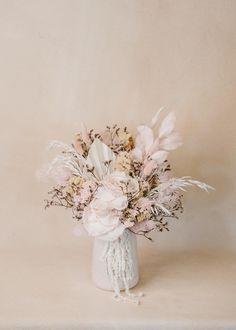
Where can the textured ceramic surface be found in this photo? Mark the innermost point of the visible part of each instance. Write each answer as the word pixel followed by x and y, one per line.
pixel 99 267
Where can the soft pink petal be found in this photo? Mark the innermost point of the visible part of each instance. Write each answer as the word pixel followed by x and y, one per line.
pixel 137 154
pixel 171 142
pixel 105 226
pixel 167 125
pixel 144 204
pixel 154 147
pixel 144 138
pixel 128 224
pixel 159 156
pixel 149 167
pixel 119 203
pixel 143 226
pixel 155 118
pixel 78 147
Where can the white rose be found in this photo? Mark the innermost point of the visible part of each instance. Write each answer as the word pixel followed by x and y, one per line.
pixel 107 199
pixel 102 217
pixel 105 224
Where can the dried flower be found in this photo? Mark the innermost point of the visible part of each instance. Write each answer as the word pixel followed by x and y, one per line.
pixel 123 162
pixel 112 180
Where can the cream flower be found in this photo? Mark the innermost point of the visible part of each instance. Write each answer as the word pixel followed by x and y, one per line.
pixel 102 217
pixel 123 162
pixel 108 199
pixel 104 224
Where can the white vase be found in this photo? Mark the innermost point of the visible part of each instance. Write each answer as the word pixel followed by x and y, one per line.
pixel 100 271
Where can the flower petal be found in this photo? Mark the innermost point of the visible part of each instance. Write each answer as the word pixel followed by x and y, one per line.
pixel 155 118
pixel 119 203
pixel 146 225
pixel 167 125
pixel 171 142
pixel 149 167
pixel 105 226
pixel 137 154
pixel 159 156
pixel 144 138
pixel 99 153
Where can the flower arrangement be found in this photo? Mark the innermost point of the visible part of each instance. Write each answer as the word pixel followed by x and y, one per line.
pixel 114 181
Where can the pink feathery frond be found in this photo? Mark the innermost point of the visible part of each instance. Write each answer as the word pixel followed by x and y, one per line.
pixel 171 142
pixel 167 125
pixel 156 117
pixel 144 138
pixel 159 156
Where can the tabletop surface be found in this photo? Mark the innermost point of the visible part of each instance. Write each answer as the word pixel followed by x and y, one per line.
pixel 52 289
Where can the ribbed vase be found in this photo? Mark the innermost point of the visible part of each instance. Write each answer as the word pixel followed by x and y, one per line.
pixel 115 263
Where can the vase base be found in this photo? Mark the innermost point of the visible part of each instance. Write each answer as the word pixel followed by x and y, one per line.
pixel 109 287
pixel 115 263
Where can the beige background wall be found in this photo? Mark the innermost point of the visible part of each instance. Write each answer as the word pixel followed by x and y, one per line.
pixel 117 61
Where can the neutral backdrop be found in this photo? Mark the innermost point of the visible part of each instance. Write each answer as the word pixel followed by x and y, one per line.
pixel 117 61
